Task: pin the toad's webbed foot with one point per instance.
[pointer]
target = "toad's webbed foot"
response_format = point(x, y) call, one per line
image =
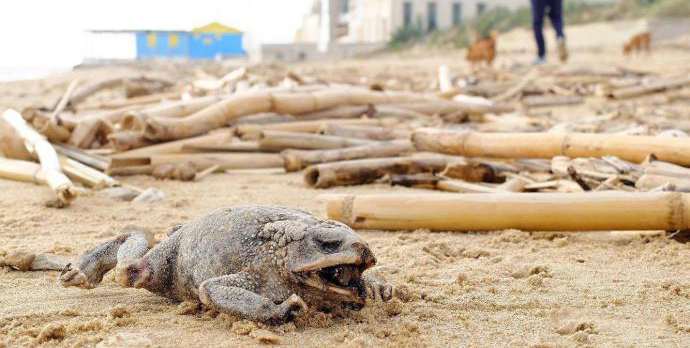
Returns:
point(235, 294)
point(377, 289)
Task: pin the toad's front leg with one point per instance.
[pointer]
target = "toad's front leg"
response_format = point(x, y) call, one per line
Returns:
point(235, 294)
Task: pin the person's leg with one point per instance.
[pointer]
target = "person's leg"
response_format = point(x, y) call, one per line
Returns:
point(556, 17)
point(538, 8)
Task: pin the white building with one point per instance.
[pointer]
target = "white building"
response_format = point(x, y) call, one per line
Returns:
point(371, 21)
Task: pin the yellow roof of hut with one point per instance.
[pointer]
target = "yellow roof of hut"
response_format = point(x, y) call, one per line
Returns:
point(216, 28)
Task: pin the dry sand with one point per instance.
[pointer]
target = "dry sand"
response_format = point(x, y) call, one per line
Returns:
point(505, 288)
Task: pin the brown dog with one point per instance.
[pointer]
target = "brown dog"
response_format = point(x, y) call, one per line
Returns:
point(483, 50)
point(638, 43)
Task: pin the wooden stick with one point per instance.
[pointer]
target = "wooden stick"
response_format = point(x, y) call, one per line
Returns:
point(136, 120)
point(364, 132)
point(517, 89)
point(89, 132)
point(589, 211)
point(299, 159)
point(365, 171)
point(656, 87)
point(278, 140)
point(62, 103)
point(206, 172)
point(548, 145)
point(47, 156)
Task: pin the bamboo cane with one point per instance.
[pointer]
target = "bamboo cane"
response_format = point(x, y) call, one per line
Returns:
point(548, 145)
point(140, 101)
point(76, 154)
point(221, 136)
point(223, 161)
point(364, 132)
point(264, 118)
point(526, 211)
point(237, 146)
point(128, 140)
point(278, 140)
point(243, 104)
point(253, 131)
point(136, 120)
point(47, 156)
point(299, 159)
point(85, 174)
point(131, 170)
point(87, 90)
point(551, 100)
point(20, 170)
point(651, 181)
point(656, 87)
point(341, 112)
point(365, 171)
point(89, 132)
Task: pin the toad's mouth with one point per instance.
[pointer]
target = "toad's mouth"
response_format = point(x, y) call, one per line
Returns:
point(344, 280)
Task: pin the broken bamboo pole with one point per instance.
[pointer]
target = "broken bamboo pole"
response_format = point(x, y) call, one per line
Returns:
point(20, 170)
point(548, 145)
point(296, 160)
point(278, 140)
point(366, 171)
point(50, 165)
point(592, 211)
point(242, 104)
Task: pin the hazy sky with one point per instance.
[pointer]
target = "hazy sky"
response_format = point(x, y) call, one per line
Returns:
point(49, 33)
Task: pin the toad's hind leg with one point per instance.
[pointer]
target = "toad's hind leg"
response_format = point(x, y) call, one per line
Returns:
point(96, 262)
point(234, 294)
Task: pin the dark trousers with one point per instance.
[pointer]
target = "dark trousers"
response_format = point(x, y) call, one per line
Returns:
point(555, 12)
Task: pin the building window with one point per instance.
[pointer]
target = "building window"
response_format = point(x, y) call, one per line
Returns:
point(344, 6)
point(151, 40)
point(481, 7)
point(457, 13)
point(173, 40)
point(431, 15)
point(407, 13)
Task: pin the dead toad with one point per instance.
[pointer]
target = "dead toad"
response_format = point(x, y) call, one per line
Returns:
point(261, 263)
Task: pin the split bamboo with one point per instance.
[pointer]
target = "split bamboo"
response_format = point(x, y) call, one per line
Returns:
point(548, 145)
point(365, 171)
point(299, 159)
point(47, 156)
point(592, 211)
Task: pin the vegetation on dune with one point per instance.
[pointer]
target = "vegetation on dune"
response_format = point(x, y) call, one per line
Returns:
point(502, 19)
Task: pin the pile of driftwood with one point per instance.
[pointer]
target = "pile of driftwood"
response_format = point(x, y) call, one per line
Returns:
point(484, 134)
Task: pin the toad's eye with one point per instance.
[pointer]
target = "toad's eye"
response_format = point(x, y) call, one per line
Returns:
point(328, 246)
